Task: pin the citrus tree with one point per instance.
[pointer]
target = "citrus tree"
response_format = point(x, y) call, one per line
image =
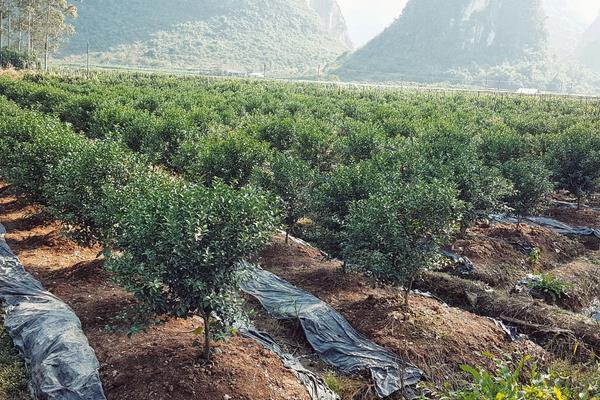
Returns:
point(399, 230)
point(75, 187)
point(574, 158)
point(291, 180)
point(178, 246)
point(531, 180)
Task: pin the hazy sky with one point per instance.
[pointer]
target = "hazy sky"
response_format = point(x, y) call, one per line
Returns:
point(367, 18)
point(588, 9)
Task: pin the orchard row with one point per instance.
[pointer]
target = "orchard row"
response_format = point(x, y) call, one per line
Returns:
point(181, 178)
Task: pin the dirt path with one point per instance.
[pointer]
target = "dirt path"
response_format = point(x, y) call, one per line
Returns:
point(161, 363)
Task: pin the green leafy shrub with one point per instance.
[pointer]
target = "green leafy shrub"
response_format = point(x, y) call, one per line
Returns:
point(398, 231)
point(332, 197)
point(130, 125)
point(79, 112)
point(550, 286)
point(16, 59)
point(279, 132)
point(75, 187)
point(230, 157)
point(499, 147)
point(574, 158)
point(314, 144)
point(532, 186)
point(178, 247)
point(34, 144)
point(448, 154)
point(162, 144)
point(290, 179)
point(359, 141)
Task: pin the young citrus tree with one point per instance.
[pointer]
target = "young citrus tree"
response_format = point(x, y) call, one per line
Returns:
point(291, 179)
point(332, 197)
point(178, 246)
point(398, 231)
point(230, 157)
point(452, 155)
point(574, 158)
point(531, 180)
point(75, 187)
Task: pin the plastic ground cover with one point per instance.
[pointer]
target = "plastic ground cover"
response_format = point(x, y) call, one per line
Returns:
point(48, 335)
point(329, 334)
point(550, 223)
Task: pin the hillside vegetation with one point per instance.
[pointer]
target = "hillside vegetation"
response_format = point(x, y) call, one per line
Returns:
point(590, 51)
point(432, 38)
point(289, 35)
point(565, 27)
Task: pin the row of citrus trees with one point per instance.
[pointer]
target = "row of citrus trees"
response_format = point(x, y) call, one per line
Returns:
point(175, 245)
point(386, 178)
point(180, 179)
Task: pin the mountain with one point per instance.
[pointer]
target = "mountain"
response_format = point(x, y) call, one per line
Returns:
point(209, 34)
point(565, 27)
point(590, 46)
point(432, 37)
point(332, 19)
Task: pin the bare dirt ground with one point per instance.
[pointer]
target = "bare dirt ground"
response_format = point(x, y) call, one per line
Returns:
point(502, 252)
point(161, 363)
point(583, 217)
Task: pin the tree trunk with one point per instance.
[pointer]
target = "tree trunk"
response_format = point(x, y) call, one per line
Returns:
point(1, 29)
point(8, 30)
point(287, 235)
point(29, 38)
point(206, 319)
point(47, 38)
point(20, 26)
point(407, 294)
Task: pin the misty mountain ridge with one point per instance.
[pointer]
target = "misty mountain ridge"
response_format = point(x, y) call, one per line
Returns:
point(565, 27)
point(589, 51)
point(433, 37)
point(210, 34)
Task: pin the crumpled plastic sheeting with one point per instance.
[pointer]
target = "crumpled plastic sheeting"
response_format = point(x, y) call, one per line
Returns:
point(550, 223)
point(48, 335)
point(463, 265)
point(511, 332)
point(572, 206)
point(315, 386)
point(330, 334)
point(593, 311)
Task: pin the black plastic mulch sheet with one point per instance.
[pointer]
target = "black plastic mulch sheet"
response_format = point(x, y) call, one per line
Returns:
point(329, 334)
point(48, 335)
point(550, 223)
point(315, 386)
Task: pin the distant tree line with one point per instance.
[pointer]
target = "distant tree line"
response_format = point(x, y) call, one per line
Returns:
point(33, 28)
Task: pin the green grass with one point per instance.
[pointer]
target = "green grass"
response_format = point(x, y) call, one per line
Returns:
point(13, 375)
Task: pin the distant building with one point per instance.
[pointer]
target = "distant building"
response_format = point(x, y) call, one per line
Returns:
point(527, 91)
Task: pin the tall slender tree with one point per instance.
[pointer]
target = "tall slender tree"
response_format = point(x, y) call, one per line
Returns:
point(37, 26)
